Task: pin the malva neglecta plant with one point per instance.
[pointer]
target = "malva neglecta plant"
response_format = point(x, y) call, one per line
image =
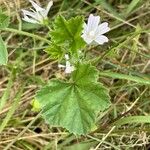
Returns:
point(72, 103)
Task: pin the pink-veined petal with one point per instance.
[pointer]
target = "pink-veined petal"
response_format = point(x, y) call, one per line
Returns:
point(103, 28)
point(93, 22)
point(101, 39)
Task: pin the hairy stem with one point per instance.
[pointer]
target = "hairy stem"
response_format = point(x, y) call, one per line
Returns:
point(26, 34)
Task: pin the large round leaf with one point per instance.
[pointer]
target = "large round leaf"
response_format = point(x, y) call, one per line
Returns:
point(74, 105)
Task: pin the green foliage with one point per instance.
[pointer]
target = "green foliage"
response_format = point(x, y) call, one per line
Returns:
point(4, 20)
point(28, 26)
point(85, 74)
point(131, 6)
point(55, 51)
point(74, 105)
point(11, 110)
point(6, 93)
point(81, 146)
point(3, 52)
point(105, 4)
point(35, 105)
point(68, 33)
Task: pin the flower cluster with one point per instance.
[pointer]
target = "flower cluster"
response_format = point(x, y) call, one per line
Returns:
point(92, 31)
point(38, 15)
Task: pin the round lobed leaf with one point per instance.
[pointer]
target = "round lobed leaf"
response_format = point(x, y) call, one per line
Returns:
point(74, 105)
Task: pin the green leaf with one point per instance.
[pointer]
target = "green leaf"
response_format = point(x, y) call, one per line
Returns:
point(4, 20)
point(68, 33)
point(3, 52)
point(35, 105)
point(26, 26)
point(85, 74)
point(132, 119)
point(55, 51)
point(74, 105)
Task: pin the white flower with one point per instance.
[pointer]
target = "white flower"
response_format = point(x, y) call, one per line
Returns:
point(38, 15)
point(93, 31)
point(68, 67)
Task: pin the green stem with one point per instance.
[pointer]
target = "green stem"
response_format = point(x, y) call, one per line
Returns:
point(11, 111)
point(26, 34)
point(6, 94)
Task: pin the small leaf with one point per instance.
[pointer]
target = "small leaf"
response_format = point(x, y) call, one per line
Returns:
point(85, 74)
point(74, 105)
point(4, 20)
point(3, 53)
point(35, 105)
point(55, 51)
point(26, 26)
point(68, 33)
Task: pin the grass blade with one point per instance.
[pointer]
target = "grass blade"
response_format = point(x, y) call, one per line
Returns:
point(126, 77)
point(132, 119)
point(131, 6)
point(108, 7)
point(3, 52)
point(6, 93)
point(12, 110)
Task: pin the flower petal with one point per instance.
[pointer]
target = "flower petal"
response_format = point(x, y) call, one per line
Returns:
point(36, 6)
point(49, 7)
point(101, 39)
point(87, 39)
point(29, 13)
point(69, 68)
point(93, 22)
point(84, 28)
point(40, 16)
point(103, 28)
point(61, 66)
point(27, 19)
point(66, 56)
